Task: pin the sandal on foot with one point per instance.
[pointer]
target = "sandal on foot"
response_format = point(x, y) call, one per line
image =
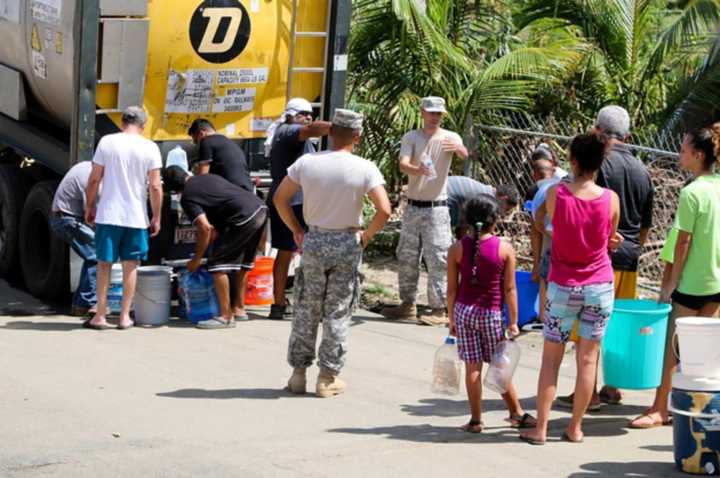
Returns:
point(522, 421)
point(473, 426)
point(566, 438)
point(89, 325)
point(531, 441)
point(610, 398)
point(645, 421)
point(126, 326)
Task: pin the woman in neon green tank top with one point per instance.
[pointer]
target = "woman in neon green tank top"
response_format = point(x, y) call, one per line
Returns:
point(694, 283)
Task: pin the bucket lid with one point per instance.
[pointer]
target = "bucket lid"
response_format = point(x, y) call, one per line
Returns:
point(695, 384)
point(696, 321)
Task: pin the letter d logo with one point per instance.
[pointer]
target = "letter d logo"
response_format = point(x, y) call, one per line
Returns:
point(219, 30)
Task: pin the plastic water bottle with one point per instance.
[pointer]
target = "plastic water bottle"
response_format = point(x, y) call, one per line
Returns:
point(177, 157)
point(447, 369)
point(502, 367)
point(427, 161)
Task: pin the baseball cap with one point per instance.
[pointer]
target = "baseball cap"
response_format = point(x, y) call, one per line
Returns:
point(347, 119)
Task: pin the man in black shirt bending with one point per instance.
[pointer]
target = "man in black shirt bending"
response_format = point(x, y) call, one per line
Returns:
point(219, 155)
point(230, 218)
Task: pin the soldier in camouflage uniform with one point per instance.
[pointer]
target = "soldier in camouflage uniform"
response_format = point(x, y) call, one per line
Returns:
point(334, 184)
point(425, 156)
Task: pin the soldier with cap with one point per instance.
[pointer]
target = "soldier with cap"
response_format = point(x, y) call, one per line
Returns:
point(334, 183)
point(425, 156)
point(287, 139)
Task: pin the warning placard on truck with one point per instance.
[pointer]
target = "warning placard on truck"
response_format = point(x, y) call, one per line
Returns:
point(189, 92)
point(235, 99)
point(48, 11)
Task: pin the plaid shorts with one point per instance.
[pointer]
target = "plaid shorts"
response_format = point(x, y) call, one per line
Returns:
point(479, 331)
point(589, 306)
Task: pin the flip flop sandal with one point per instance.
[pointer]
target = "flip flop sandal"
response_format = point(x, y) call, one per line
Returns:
point(473, 426)
point(242, 318)
point(524, 421)
point(566, 438)
point(88, 325)
point(646, 426)
point(531, 441)
point(125, 327)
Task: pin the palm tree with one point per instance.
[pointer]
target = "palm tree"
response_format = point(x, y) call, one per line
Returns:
point(638, 51)
point(464, 51)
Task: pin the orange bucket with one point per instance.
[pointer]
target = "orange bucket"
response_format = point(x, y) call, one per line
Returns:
point(260, 282)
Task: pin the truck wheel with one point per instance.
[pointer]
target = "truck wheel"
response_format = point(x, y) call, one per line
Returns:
point(44, 257)
point(13, 189)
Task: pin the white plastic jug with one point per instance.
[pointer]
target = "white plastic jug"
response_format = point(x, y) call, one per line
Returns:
point(502, 367)
point(177, 157)
point(447, 369)
point(698, 338)
point(115, 291)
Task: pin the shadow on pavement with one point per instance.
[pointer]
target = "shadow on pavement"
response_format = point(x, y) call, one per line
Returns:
point(638, 469)
point(443, 407)
point(431, 434)
point(628, 411)
point(659, 448)
point(592, 427)
point(43, 326)
point(231, 393)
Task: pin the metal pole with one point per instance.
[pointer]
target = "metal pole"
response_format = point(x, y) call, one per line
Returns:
point(82, 131)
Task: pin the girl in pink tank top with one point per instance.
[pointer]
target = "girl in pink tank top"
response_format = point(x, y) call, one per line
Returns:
point(481, 279)
point(580, 292)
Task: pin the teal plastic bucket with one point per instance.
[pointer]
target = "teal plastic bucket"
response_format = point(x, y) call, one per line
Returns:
point(634, 344)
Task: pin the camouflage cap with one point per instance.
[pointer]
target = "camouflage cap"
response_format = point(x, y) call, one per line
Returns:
point(433, 104)
point(347, 119)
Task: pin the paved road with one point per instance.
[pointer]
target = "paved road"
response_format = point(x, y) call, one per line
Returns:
point(176, 401)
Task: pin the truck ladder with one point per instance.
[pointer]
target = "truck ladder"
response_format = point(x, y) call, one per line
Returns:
point(295, 35)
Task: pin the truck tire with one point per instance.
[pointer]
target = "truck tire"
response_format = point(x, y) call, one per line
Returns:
point(44, 257)
point(13, 190)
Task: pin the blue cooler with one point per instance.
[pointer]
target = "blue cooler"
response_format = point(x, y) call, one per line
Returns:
point(695, 405)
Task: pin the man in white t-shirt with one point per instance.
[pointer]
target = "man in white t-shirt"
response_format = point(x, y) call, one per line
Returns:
point(425, 156)
point(125, 163)
point(334, 184)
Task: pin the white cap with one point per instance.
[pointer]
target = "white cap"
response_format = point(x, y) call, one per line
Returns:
point(298, 105)
point(613, 120)
point(433, 104)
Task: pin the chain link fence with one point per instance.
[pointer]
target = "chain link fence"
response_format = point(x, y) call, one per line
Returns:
point(503, 158)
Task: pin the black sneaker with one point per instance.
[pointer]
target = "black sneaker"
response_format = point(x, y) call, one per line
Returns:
point(277, 312)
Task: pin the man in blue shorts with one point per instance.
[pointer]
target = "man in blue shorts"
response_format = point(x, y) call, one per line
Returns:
point(125, 163)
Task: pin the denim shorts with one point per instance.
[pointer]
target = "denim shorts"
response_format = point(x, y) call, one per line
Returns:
point(118, 242)
point(590, 306)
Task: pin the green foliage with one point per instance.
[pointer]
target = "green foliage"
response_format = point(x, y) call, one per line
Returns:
point(560, 58)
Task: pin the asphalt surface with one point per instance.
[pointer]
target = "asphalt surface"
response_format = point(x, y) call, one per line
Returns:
point(176, 401)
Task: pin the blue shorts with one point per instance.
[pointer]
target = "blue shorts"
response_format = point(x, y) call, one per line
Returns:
point(590, 305)
point(125, 243)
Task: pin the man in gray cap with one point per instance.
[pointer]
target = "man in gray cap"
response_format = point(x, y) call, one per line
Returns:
point(623, 173)
point(125, 163)
point(425, 156)
point(334, 184)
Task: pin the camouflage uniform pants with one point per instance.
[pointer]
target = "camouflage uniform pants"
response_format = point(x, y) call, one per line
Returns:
point(425, 235)
point(326, 289)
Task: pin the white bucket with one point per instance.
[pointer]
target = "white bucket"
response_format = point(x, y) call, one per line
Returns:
point(152, 295)
point(115, 291)
point(699, 351)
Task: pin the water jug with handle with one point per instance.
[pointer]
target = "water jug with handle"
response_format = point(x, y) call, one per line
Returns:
point(502, 367)
point(177, 157)
point(698, 339)
point(447, 369)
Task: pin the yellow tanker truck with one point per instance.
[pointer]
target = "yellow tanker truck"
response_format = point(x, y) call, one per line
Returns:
point(69, 67)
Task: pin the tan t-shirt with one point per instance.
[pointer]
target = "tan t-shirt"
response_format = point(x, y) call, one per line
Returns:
point(334, 184)
point(414, 144)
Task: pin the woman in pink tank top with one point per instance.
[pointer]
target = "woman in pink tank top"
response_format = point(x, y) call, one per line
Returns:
point(580, 291)
point(481, 279)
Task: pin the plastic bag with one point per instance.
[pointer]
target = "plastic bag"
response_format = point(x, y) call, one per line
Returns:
point(503, 365)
